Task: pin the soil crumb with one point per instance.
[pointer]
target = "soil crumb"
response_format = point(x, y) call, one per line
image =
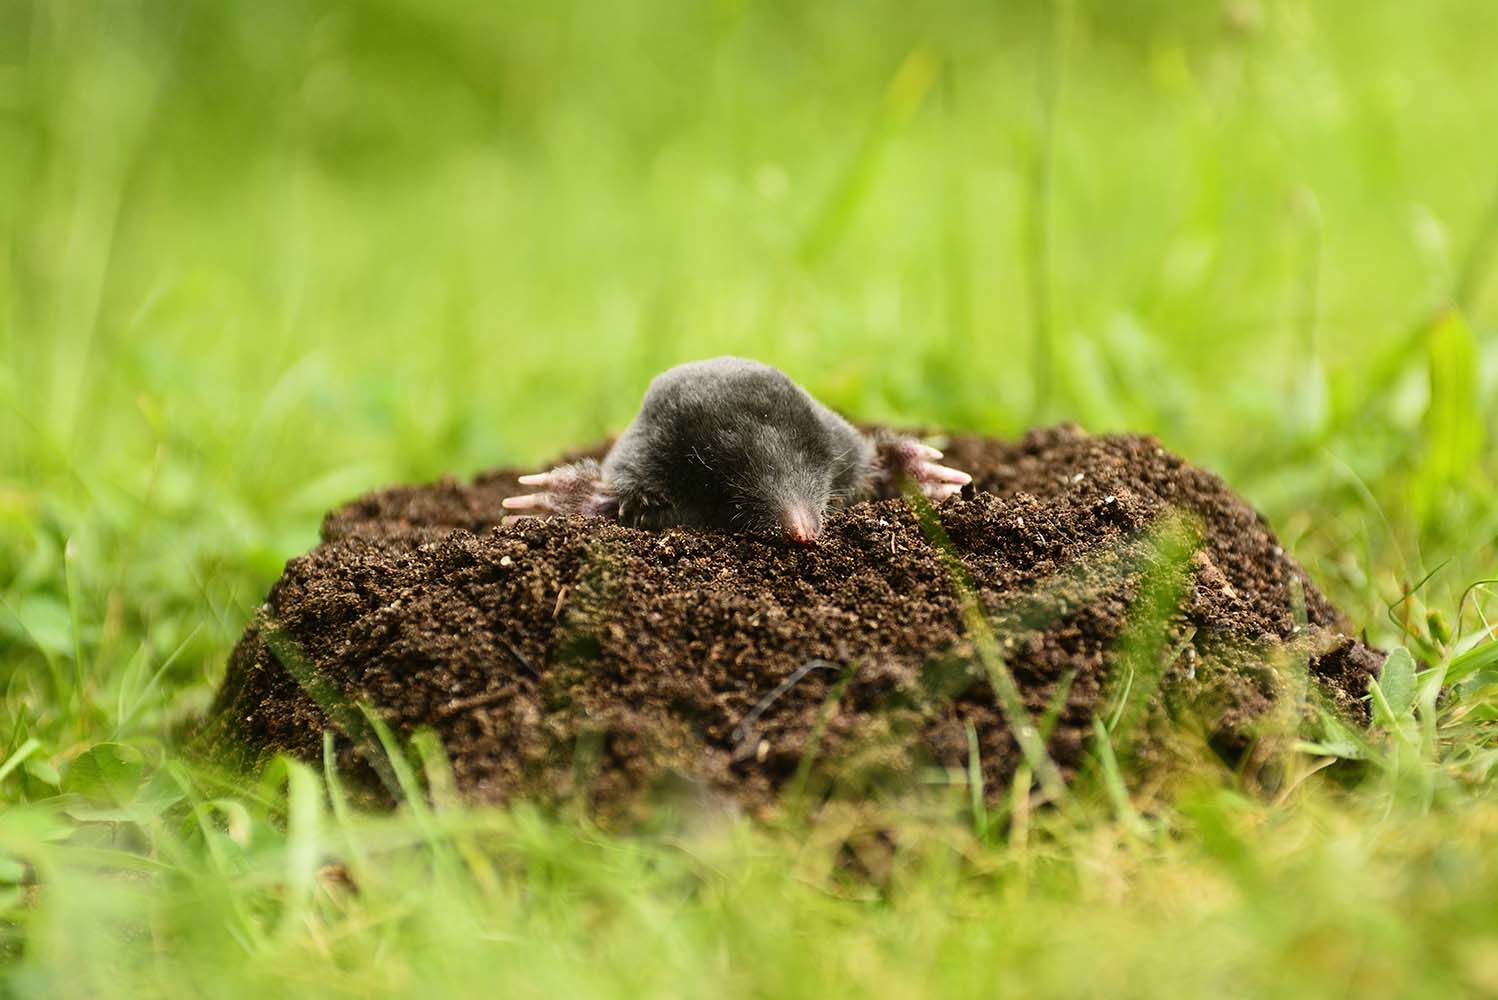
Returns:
point(571, 660)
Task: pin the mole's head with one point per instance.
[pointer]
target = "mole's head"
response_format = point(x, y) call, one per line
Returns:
point(762, 477)
point(788, 490)
point(734, 445)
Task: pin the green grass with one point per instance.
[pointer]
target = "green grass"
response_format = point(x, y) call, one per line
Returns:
point(260, 257)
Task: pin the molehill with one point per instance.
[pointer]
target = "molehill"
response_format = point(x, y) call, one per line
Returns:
point(574, 660)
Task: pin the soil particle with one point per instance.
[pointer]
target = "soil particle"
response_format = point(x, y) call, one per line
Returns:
point(575, 660)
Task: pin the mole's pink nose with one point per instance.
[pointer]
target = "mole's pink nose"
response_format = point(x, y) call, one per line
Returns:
point(801, 525)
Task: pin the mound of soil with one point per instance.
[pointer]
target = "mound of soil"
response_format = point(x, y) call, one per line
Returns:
point(572, 659)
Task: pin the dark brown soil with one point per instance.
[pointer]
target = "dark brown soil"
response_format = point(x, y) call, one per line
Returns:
point(576, 660)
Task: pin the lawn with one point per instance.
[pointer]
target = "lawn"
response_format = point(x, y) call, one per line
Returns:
point(259, 258)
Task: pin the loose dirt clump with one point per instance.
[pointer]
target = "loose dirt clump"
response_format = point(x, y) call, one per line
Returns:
point(574, 660)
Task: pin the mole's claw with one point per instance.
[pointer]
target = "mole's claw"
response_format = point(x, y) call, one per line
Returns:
point(937, 492)
point(575, 488)
point(529, 501)
point(904, 459)
point(931, 472)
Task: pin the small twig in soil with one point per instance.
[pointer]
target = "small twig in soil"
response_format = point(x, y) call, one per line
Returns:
point(479, 700)
point(520, 658)
point(743, 731)
point(488, 697)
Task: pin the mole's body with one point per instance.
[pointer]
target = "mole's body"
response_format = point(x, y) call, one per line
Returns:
point(731, 444)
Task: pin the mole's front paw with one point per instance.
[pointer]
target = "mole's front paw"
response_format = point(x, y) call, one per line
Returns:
point(576, 488)
point(906, 458)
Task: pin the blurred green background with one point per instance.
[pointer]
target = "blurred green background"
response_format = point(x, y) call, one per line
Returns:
point(260, 257)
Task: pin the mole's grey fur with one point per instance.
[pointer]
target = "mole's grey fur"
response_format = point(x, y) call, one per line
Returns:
point(731, 444)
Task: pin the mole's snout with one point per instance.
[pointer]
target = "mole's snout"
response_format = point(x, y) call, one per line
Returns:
point(801, 525)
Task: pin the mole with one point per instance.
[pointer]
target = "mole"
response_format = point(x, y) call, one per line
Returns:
point(730, 444)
